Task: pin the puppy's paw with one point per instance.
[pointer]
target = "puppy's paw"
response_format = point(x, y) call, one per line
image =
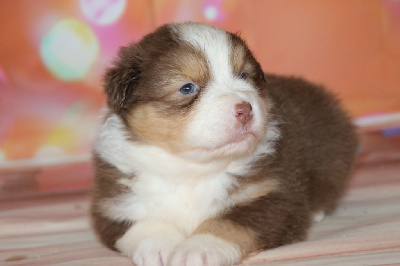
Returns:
point(150, 245)
point(205, 250)
point(319, 216)
point(154, 251)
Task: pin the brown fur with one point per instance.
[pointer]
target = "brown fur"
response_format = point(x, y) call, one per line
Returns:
point(156, 118)
point(250, 189)
point(312, 162)
point(243, 61)
point(156, 128)
point(106, 187)
point(308, 172)
point(319, 140)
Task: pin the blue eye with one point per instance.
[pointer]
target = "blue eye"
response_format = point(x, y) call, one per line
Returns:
point(188, 88)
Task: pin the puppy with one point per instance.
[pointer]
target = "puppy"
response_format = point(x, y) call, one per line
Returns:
point(203, 159)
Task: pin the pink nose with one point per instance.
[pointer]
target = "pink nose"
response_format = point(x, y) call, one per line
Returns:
point(243, 112)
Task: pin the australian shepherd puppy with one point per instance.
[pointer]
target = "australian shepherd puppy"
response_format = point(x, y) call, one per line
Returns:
point(203, 159)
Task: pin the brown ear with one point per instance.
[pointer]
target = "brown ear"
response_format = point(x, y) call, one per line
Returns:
point(121, 79)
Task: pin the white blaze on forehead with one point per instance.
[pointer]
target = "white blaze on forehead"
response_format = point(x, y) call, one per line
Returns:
point(213, 42)
point(213, 125)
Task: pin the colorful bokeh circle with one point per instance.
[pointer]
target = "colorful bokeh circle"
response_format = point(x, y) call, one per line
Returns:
point(103, 12)
point(213, 11)
point(69, 49)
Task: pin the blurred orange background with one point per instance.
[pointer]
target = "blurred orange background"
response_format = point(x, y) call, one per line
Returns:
point(53, 55)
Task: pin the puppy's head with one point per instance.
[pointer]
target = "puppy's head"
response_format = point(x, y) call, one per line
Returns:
point(194, 90)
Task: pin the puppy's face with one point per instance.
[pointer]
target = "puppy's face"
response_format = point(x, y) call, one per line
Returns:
point(191, 89)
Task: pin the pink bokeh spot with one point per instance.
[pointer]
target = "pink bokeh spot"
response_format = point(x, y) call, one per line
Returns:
point(5, 89)
point(3, 77)
point(212, 11)
point(393, 9)
point(103, 12)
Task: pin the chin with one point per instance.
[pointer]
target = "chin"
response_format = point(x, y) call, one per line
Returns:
point(237, 146)
point(203, 158)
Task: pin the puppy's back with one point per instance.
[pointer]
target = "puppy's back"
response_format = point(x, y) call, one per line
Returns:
point(318, 141)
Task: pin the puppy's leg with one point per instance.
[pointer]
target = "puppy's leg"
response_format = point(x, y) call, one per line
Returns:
point(215, 242)
point(265, 223)
point(150, 244)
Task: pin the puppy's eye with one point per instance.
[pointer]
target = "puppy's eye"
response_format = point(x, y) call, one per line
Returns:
point(243, 75)
point(188, 89)
point(261, 74)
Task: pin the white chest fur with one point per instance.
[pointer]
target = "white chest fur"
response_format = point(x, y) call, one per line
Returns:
point(168, 188)
point(183, 203)
point(164, 187)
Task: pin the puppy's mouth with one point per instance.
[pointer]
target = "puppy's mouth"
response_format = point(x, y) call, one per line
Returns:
point(246, 138)
point(236, 144)
point(241, 137)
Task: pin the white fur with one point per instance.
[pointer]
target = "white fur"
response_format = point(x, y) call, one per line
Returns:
point(150, 244)
point(168, 190)
point(167, 187)
point(319, 216)
point(112, 145)
point(172, 194)
point(185, 204)
point(253, 191)
point(242, 165)
point(214, 124)
point(205, 250)
point(212, 41)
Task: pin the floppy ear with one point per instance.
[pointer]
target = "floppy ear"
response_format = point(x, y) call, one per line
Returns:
point(121, 79)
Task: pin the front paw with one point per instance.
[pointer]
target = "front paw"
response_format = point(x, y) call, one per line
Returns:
point(154, 251)
point(150, 244)
point(205, 250)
